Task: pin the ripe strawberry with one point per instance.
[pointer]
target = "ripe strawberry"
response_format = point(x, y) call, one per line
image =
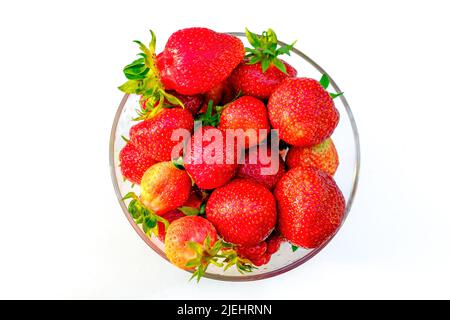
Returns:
point(262, 72)
point(243, 212)
point(322, 156)
point(133, 163)
point(153, 136)
point(191, 103)
point(273, 243)
point(303, 112)
point(252, 252)
point(262, 260)
point(170, 216)
point(209, 168)
point(183, 236)
point(251, 80)
point(164, 187)
point(144, 79)
point(248, 114)
point(195, 199)
point(310, 207)
point(215, 95)
point(195, 60)
point(255, 171)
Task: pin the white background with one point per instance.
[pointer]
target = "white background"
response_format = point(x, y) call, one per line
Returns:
point(62, 232)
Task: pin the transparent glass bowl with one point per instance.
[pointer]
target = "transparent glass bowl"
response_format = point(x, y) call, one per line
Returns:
point(345, 138)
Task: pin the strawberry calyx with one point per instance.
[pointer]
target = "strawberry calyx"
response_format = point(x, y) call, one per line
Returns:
point(144, 79)
point(208, 118)
point(325, 82)
point(144, 216)
point(265, 50)
point(220, 254)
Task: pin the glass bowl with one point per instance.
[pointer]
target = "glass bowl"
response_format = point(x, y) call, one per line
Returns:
point(345, 138)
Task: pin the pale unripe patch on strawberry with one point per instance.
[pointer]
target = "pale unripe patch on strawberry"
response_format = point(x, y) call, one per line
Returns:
point(181, 232)
point(164, 187)
point(323, 156)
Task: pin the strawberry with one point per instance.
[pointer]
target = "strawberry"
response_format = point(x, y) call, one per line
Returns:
point(164, 188)
point(273, 243)
point(251, 80)
point(133, 163)
point(262, 72)
point(262, 260)
point(206, 172)
point(322, 156)
point(255, 171)
point(186, 240)
point(170, 216)
point(310, 207)
point(303, 112)
point(253, 252)
point(243, 212)
point(144, 79)
point(249, 115)
point(215, 95)
point(153, 136)
point(190, 103)
point(195, 60)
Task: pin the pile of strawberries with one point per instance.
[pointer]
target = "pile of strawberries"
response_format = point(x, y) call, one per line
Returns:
point(229, 212)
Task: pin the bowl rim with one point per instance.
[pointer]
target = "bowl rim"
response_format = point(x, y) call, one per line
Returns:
point(292, 265)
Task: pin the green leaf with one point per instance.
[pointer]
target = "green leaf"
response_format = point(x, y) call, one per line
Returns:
point(325, 81)
point(252, 38)
point(150, 221)
point(335, 95)
point(254, 60)
point(130, 195)
point(196, 247)
point(265, 64)
point(286, 49)
point(280, 65)
point(173, 100)
point(189, 211)
point(131, 86)
point(193, 263)
point(202, 210)
point(294, 248)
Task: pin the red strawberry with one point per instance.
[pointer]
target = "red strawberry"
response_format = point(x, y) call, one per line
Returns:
point(164, 187)
point(322, 156)
point(303, 112)
point(221, 94)
point(133, 163)
point(195, 60)
point(180, 236)
point(191, 103)
point(207, 171)
point(195, 199)
point(310, 206)
point(243, 212)
point(248, 114)
point(252, 252)
point(153, 136)
point(215, 95)
point(170, 217)
point(261, 72)
point(251, 80)
point(255, 171)
point(262, 260)
point(144, 79)
point(273, 243)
